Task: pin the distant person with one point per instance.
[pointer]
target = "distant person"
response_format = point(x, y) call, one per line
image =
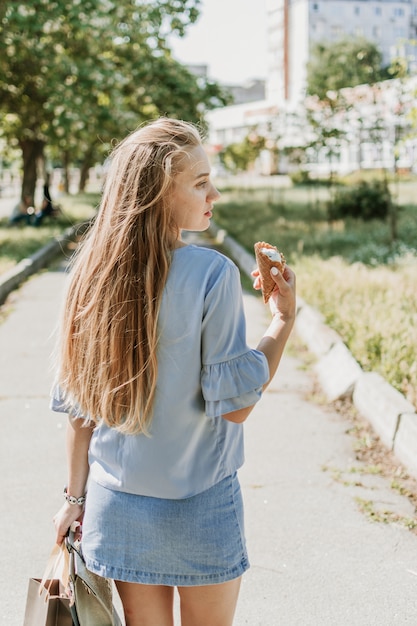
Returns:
point(22, 212)
point(156, 376)
point(47, 209)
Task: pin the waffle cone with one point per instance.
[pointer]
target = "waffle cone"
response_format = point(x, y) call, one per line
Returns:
point(264, 265)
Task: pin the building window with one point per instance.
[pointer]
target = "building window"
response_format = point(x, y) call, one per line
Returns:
point(398, 12)
point(315, 7)
point(357, 10)
point(378, 11)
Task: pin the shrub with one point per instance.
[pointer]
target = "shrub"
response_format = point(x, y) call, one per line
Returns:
point(367, 201)
point(300, 177)
point(304, 178)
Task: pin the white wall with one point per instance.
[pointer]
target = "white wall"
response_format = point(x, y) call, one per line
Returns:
point(386, 104)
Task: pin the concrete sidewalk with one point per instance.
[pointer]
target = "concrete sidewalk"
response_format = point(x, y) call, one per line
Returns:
point(316, 559)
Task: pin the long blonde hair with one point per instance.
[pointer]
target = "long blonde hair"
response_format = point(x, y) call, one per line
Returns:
point(109, 334)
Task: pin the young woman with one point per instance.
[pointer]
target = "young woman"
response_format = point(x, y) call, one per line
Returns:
point(157, 378)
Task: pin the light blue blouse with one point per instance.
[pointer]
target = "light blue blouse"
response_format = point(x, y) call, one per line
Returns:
point(205, 370)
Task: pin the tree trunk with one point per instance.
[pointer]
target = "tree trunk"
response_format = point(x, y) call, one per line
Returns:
point(392, 211)
point(32, 151)
point(66, 174)
point(393, 221)
point(84, 172)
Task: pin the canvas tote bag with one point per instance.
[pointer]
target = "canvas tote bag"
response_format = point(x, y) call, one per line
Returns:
point(91, 595)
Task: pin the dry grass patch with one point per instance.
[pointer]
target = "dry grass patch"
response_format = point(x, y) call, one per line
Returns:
point(373, 309)
point(363, 283)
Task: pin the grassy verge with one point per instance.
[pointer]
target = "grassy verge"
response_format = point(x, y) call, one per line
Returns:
point(362, 283)
point(19, 242)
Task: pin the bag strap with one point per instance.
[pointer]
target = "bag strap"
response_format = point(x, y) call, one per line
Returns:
point(70, 549)
point(56, 567)
point(70, 541)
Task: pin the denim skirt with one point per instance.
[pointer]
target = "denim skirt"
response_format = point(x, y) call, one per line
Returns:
point(195, 541)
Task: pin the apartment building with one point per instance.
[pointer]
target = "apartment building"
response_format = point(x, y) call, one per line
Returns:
point(295, 25)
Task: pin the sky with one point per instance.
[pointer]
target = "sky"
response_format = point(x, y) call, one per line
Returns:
point(229, 37)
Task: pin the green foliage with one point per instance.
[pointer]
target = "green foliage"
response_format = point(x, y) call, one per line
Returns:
point(237, 157)
point(344, 63)
point(326, 120)
point(17, 243)
point(367, 200)
point(76, 75)
point(297, 220)
point(301, 177)
point(349, 270)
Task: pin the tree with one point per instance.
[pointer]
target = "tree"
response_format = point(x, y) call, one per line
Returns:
point(326, 119)
point(237, 157)
point(344, 63)
point(75, 75)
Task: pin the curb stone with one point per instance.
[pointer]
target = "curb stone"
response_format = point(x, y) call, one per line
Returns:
point(26, 267)
point(381, 405)
point(311, 328)
point(393, 418)
point(242, 257)
point(391, 415)
point(405, 443)
point(338, 372)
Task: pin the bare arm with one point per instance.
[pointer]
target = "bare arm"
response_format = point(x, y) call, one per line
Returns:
point(283, 307)
point(78, 442)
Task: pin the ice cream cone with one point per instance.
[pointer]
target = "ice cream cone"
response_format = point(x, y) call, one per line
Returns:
point(264, 265)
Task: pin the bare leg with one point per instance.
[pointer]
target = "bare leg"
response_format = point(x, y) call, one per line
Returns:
point(209, 605)
point(146, 605)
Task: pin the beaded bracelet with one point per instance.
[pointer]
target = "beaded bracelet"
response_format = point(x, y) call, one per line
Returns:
point(72, 499)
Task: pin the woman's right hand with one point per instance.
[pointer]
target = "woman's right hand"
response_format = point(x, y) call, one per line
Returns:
point(283, 299)
point(63, 519)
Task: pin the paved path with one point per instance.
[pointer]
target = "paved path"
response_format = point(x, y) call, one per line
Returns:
point(316, 560)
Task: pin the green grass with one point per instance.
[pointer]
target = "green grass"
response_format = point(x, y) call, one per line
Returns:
point(19, 242)
point(296, 219)
point(364, 284)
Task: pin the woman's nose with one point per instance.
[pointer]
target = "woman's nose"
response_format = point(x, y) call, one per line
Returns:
point(215, 193)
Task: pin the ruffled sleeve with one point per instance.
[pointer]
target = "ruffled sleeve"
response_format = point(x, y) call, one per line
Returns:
point(60, 404)
point(232, 374)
